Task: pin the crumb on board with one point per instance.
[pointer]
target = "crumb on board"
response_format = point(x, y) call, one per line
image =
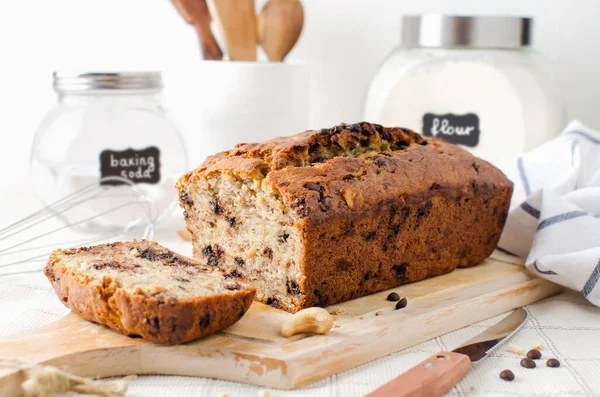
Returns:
point(335, 312)
point(223, 395)
point(472, 387)
point(516, 349)
point(264, 393)
point(539, 347)
point(185, 235)
point(361, 318)
point(379, 312)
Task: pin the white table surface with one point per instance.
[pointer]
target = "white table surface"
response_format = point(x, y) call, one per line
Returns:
point(566, 325)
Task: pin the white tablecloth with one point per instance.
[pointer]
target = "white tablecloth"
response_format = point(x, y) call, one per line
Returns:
point(566, 325)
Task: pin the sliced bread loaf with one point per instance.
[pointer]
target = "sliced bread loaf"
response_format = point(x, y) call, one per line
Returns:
point(141, 288)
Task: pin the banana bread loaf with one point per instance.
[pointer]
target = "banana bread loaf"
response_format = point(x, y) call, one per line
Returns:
point(141, 288)
point(326, 216)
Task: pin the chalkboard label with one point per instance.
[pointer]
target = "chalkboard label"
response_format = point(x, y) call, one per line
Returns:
point(139, 166)
point(458, 129)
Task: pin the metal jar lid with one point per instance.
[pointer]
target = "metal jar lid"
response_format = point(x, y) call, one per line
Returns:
point(80, 82)
point(438, 30)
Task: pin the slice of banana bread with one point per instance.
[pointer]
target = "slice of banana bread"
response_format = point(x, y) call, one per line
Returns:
point(141, 288)
point(330, 215)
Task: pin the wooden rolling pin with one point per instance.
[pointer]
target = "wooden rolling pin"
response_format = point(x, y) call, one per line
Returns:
point(237, 21)
point(195, 12)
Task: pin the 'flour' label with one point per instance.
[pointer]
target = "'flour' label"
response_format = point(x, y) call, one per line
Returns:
point(458, 129)
point(139, 166)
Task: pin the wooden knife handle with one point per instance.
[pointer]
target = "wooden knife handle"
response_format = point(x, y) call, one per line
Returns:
point(430, 378)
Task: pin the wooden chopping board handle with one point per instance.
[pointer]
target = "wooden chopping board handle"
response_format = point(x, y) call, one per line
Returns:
point(432, 377)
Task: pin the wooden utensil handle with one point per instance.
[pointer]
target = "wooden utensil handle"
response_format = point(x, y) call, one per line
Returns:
point(431, 378)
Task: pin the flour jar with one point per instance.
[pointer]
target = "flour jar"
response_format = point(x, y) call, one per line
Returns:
point(472, 80)
point(108, 129)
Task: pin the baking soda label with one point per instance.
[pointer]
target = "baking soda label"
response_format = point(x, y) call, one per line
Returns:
point(454, 128)
point(139, 166)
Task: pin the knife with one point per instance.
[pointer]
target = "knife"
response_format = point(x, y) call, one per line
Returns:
point(440, 372)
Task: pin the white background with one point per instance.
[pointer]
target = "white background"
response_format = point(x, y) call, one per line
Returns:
point(343, 42)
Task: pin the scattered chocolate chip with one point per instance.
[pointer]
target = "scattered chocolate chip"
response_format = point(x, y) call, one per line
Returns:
point(318, 160)
point(393, 211)
point(233, 274)
point(182, 280)
point(207, 250)
point(282, 238)
point(298, 203)
point(232, 221)
point(475, 186)
point(324, 204)
point(424, 210)
point(242, 312)
point(148, 254)
point(368, 275)
point(212, 260)
point(400, 145)
point(167, 255)
point(239, 261)
point(401, 304)
point(393, 297)
point(292, 288)
point(379, 161)
point(205, 320)
point(394, 229)
point(233, 287)
point(476, 167)
point(424, 143)
point(527, 363)
point(507, 375)
point(553, 363)
point(314, 186)
point(434, 186)
point(268, 252)
point(385, 135)
point(101, 266)
point(215, 206)
point(322, 299)
point(399, 270)
point(324, 131)
point(348, 177)
point(534, 354)
point(354, 128)
point(370, 236)
point(185, 214)
point(153, 325)
point(184, 198)
point(405, 213)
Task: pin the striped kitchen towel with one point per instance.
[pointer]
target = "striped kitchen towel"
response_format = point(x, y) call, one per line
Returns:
point(554, 219)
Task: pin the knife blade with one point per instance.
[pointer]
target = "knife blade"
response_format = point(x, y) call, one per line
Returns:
point(442, 371)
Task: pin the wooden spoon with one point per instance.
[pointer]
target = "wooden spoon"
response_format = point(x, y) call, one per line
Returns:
point(237, 21)
point(279, 26)
point(195, 12)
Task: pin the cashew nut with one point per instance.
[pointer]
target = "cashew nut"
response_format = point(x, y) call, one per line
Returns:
point(314, 320)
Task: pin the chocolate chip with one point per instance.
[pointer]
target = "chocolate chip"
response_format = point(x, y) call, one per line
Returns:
point(534, 354)
point(292, 288)
point(424, 210)
point(527, 363)
point(268, 252)
point(393, 297)
point(394, 232)
point(354, 128)
point(182, 280)
point(233, 274)
point(322, 298)
point(401, 304)
point(212, 260)
point(385, 135)
point(318, 160)
point(167, 255)
point(553, 363)
point(348, 177)
point(207, 250)
point(476, 167)
point(507, 375)
point(400, 145)
point(282, 238)
point(205, 320)
point(239, 261)
point(148, 254)
point(434, 186)
point(185, 214)
point(232, 221)
point(337, 129)
point(405, 214)
point(215, 206)
point(233, 287)
point(424, 143)
point(503, 217)
point(297, 203)
point(101, 266)
point(379, 161)
point(184, 198)
point(367, 276)
point(153, 325)
point(302, 213)
point(324, 131)
point(324, 204)
point(475, 186)
point(314, 186)
point(399, 270)
point(370, 236)
point(242, 312)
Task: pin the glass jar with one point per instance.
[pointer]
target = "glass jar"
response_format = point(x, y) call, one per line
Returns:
point(107, 129)
point(470, 80)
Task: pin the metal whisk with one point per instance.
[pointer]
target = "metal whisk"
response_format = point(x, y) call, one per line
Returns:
point(114, 209)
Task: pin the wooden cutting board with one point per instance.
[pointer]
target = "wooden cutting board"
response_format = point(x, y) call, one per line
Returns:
point(252, 351)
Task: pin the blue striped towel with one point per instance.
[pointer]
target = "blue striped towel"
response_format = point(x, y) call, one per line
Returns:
point(554, 220)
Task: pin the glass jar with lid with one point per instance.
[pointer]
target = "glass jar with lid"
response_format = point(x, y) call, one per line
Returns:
point(473, 81)
point(109, 129)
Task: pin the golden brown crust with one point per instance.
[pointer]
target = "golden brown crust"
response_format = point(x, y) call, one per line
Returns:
point(158, 317)
point(379, 207)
